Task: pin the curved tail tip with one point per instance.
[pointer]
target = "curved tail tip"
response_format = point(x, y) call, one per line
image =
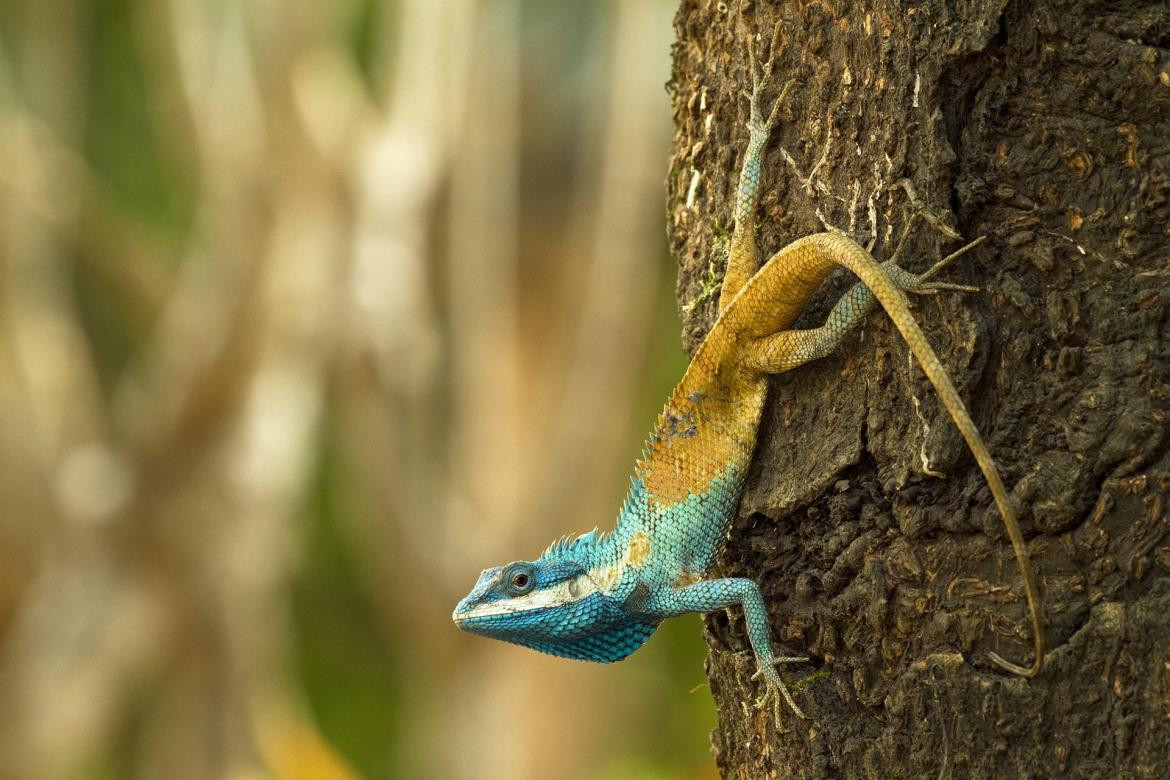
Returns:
point(1022, 671)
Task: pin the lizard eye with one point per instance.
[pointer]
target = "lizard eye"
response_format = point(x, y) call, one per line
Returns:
point(520, 581)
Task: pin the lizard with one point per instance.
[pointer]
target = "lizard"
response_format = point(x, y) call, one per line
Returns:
point(600, 596)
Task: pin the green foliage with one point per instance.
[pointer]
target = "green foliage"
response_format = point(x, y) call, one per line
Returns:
point(350, 674)
point(712, 277)
point(132, 122)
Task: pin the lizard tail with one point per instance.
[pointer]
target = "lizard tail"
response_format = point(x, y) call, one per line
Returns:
point(806, 263)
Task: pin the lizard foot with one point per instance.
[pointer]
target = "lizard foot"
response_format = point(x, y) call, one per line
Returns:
point(922, 283)
point(758, 126)
point(777, 690)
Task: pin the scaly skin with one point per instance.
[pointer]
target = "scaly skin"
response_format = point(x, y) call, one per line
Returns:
point(600, 596)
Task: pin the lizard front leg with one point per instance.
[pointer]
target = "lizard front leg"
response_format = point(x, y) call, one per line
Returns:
point(710, 595)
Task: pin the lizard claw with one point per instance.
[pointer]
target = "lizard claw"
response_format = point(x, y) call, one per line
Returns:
point(776, 689)
point(919, 287)
point(761, 78)
point(921, 283)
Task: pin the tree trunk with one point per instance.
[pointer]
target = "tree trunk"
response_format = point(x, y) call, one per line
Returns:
point(1043, 126)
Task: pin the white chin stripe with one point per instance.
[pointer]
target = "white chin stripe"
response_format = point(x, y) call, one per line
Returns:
point(562, 593)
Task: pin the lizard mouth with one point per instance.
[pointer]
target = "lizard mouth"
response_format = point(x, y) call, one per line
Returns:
point(559, 595)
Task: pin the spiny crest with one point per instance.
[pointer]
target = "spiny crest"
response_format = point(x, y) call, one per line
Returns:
point(633, 509)
point(575, 547)
point(569, 546)
point(635, 499)
point(641, 464)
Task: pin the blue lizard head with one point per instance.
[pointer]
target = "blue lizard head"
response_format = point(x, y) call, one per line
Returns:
point(555, 605)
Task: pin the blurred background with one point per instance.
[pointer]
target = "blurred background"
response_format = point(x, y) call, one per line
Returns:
point(308, 313)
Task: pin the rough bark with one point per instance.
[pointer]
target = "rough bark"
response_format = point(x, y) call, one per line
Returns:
point(1046, 127)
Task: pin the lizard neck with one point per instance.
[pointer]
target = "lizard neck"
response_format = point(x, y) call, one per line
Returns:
point(656, 544)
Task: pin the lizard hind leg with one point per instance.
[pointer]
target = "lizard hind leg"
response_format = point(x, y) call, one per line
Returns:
point(788, 349)
point(743, 255)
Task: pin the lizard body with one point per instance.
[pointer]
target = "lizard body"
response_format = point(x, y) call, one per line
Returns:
point(600, 596)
